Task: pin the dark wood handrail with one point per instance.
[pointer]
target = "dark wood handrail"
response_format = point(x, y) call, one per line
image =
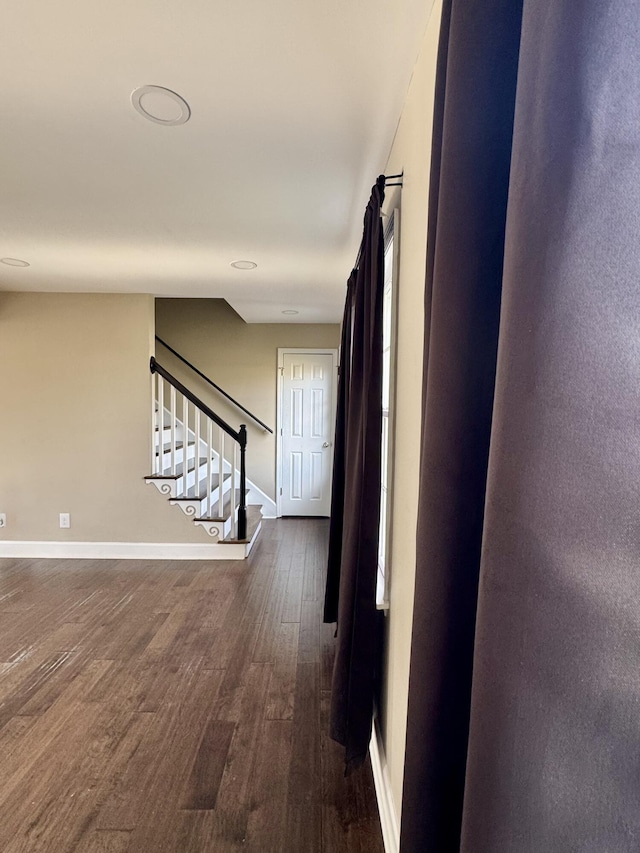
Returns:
point(213, 385)
point(156, 367)
point(240, 436)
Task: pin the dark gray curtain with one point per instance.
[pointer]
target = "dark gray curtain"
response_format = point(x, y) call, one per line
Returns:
point(554, 753)
point(353, 544)
point(336, 524)
point(469, 189)
point(524, 707)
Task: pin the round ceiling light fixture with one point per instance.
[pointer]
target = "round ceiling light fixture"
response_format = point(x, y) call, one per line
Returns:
point(244, 265)
point(161, 105)
point(290, 311)
point(14, 262)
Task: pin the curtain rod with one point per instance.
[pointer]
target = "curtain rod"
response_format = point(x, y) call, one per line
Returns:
point(388, 177)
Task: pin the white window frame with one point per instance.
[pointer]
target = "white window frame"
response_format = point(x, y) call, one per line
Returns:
point(391, 234)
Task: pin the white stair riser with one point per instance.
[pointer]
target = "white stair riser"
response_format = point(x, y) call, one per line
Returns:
point(166, 456)
point(219, 529)
point(166, 460)
point(199, 508)
point(175, 487)
point(166, 435)
point(191, 479)
point(202, 475)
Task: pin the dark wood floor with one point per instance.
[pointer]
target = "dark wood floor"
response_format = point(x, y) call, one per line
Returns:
point(149, 707)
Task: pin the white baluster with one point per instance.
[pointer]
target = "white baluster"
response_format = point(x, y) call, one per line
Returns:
point(233, 488)
point(173, 429)
point(192, 426)
point(155, 459)
point(220, 472)
point(160, 424)
point(209, 463)
point(196, 457)
point(185, 433)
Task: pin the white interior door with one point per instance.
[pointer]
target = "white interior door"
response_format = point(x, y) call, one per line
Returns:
point(307, 424)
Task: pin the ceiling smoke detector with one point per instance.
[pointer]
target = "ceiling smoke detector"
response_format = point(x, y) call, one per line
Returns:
point(244, 265)
point(161, 105)
point(14, 262)
point(290, 311)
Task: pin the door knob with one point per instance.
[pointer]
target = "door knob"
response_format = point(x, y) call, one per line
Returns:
point(326, 444)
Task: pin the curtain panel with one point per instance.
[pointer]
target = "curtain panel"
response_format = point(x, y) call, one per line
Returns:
point(355, 516)
point(473, 127)
point(524, 704)
point(336, 523)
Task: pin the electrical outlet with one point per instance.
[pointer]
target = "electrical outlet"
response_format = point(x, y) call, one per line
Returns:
point(65, 519)
point(3, 519)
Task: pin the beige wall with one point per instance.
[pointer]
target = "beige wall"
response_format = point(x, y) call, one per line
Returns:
point(75, 423)
point(242, 359)
point(411, 153)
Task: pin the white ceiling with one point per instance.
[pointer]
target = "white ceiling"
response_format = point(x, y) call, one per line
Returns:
point(294, 104)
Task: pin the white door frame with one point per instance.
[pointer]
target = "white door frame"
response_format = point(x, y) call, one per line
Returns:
point(282, 351)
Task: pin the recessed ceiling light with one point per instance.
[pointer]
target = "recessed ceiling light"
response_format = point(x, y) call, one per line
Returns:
point(290, 311)
point(244, 265)
point(160, 105)
point(14, 262)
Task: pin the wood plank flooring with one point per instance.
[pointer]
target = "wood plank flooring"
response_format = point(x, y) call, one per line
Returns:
point(151, 706)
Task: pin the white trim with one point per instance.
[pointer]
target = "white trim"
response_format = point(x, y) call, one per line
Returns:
point(125, 550)
point(392, 232)
point(249, 545)
point(257, 496)
point(282, 351)
point(386, 807)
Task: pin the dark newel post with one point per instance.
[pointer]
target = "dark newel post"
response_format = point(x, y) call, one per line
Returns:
point(242, 509)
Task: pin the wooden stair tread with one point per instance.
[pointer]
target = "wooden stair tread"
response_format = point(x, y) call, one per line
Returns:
point(167, 475)
point(202, 489)
point(162, 476)
point(254, 517)
point(226, 508)
point(166, 448)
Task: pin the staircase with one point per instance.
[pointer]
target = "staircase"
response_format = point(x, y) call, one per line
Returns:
point(198, 463)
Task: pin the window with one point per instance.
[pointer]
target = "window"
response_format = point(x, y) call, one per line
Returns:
point(388, 383)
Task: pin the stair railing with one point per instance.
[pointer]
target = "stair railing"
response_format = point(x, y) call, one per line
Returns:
point(214, 385)
point(193, 409)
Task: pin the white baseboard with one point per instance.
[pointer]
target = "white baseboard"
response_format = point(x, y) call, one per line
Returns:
point(386, 807)
point(124, 550)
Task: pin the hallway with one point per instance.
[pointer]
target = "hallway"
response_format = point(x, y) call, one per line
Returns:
point(175, 707)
